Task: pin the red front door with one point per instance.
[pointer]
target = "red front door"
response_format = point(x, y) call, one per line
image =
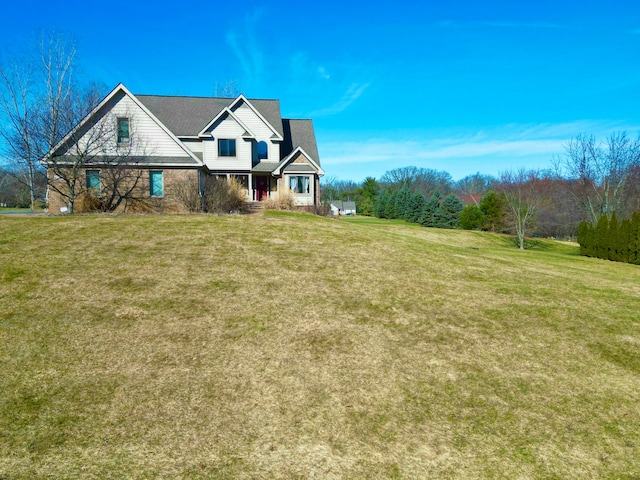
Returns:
point(262, 188)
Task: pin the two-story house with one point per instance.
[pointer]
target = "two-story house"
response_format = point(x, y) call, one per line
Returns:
point(176, 138)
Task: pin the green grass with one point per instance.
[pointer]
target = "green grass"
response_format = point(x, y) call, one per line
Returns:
point(293, 346)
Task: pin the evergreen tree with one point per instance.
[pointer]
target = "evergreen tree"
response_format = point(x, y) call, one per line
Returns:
point(401, 208)
point(367, 196)
point(381, 205)
point(390, 207)
point(494, 208)
point(451, 208)
point(416, 205)
point(612, 239)
point(602, 237)
point(471, 217)
point(430, 211)
point(583, 230)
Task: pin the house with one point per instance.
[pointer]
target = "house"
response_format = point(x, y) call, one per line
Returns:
point(338, 207)
point(176, 139)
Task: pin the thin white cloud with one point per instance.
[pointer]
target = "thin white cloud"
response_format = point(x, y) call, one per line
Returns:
point(353, 93)
point(246, 48)
point(323, 73)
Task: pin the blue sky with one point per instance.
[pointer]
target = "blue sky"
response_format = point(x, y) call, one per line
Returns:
point(461, 86)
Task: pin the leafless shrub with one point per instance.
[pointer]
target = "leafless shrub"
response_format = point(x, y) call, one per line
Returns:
point(284, 201)
point(223, 196)
point(187, 193)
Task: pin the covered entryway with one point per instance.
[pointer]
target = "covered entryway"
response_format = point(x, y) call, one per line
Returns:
point(261, 188)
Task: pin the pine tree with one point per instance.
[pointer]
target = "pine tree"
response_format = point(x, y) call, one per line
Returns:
point(583, 231)
point(416, 204)
point(452, 206)
point(390, 207)
point(430, 211)
point(401, 208)
point(471, 217)
point(381, 205)
point(494, 208)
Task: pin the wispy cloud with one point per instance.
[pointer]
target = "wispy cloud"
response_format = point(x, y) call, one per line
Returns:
point(246, 48)
point(353, 92)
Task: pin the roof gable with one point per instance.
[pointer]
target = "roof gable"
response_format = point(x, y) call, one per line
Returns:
point(121, 91)
point(187, 116)
point(241, 100)
point(289, 159)
point(225, 113)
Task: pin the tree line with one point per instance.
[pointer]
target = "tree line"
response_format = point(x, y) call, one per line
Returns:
point(592, 179)
point(610, 239)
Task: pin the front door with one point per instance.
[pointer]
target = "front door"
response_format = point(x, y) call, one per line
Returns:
point(262, 188)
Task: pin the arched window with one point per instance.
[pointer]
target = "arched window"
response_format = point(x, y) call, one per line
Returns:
point(263, 151)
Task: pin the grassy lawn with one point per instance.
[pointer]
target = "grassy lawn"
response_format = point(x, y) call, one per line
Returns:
point(292, 346)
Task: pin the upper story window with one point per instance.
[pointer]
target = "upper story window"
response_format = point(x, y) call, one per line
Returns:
point(226, 147)
point(123, 130)
point(263, 151)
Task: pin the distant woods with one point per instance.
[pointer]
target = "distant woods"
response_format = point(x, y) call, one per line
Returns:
point(593, 179)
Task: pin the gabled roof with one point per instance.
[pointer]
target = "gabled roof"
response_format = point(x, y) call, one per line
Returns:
point(343, 205)
point(187, 116)
point(285, 162)
point(226, 111)
point(121, 89)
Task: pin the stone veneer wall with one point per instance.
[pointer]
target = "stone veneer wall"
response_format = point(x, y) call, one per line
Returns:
point(173, 179)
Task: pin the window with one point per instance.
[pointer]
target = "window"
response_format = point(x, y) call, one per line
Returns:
point(243, 180)
point(299, 184)
point(226, 147)
point(263, 150)
point(123, 130)
point(93, 181)
point(156, 183)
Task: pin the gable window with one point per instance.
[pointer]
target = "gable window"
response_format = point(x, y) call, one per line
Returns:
point(156, 183)
point(93, 182)
point(263, 150)
point(299, 184)
point(123, 130)
point(227, 147)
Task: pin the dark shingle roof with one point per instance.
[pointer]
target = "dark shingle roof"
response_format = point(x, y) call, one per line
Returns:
point(187, 116)
point(299, 133)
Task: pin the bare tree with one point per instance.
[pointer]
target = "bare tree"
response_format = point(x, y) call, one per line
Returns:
point(100, 143)
point(228, 89)
point(601, 171)
point(523, 195)
point(421, 180)
point(34, 91)
point(475, 184)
